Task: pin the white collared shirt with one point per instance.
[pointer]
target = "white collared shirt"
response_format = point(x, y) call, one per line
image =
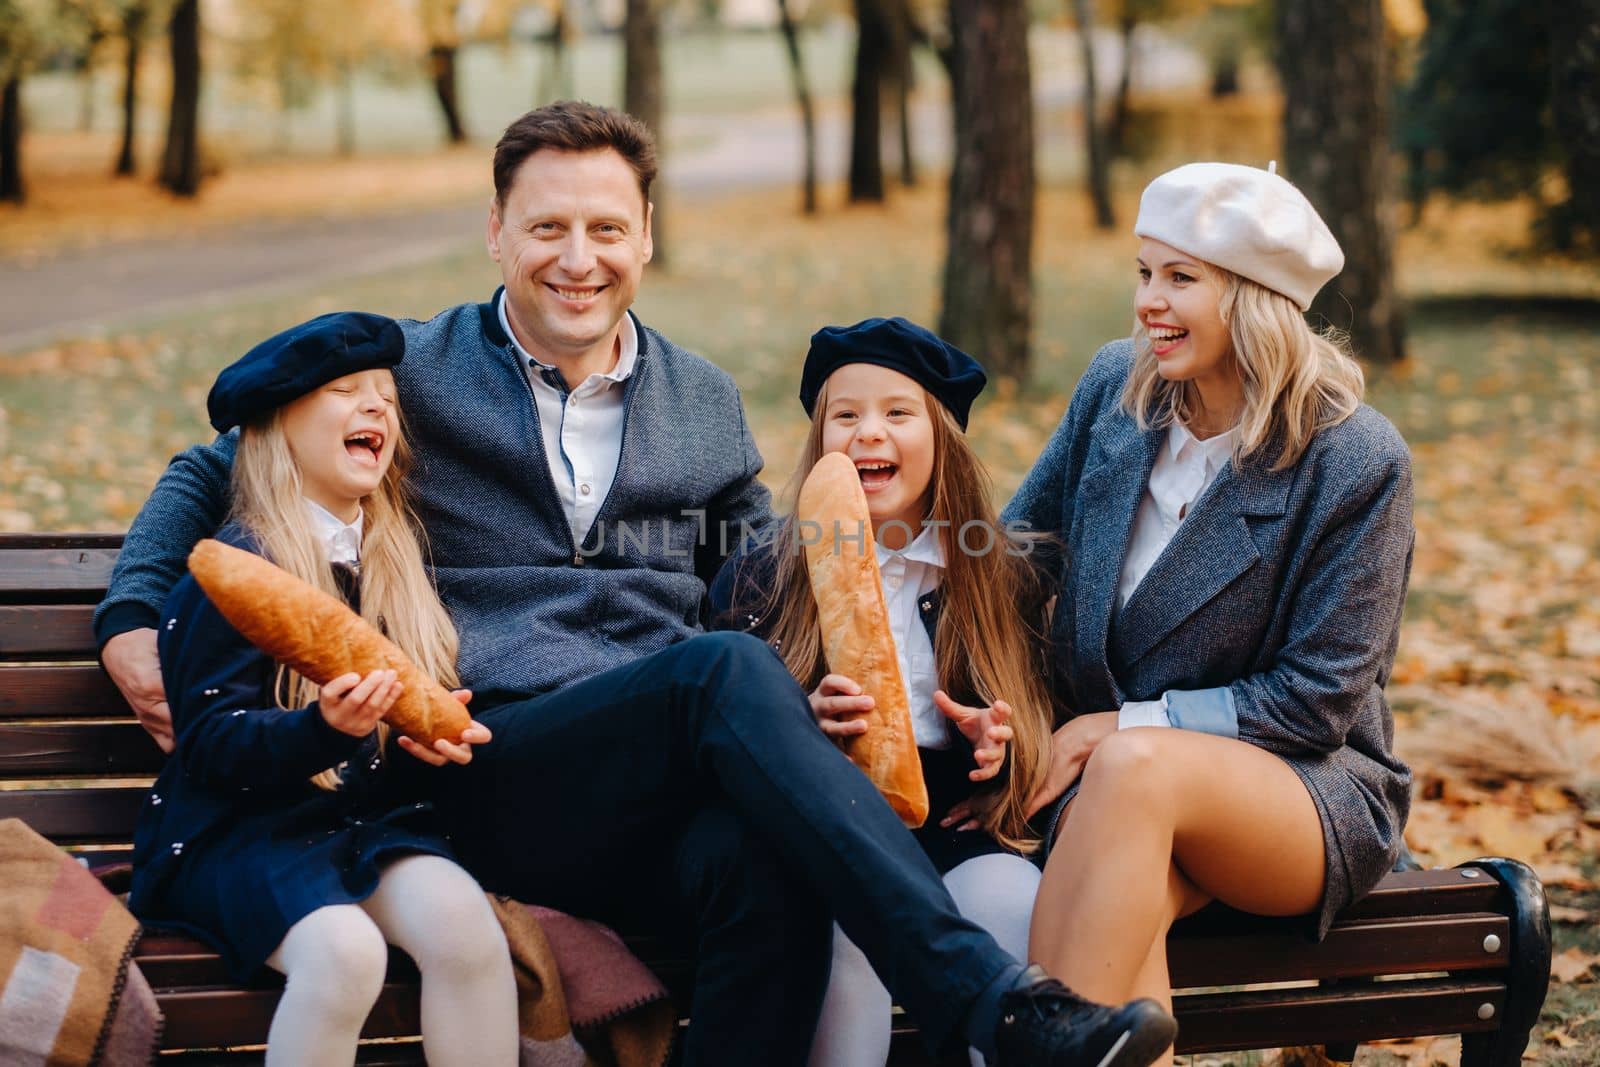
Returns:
point(341, 539)
point(909, 576)
point(582, 429)
point(1183, 470)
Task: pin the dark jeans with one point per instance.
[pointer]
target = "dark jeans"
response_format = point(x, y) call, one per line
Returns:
point(693, 783)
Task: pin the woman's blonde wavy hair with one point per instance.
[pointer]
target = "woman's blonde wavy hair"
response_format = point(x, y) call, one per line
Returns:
point(987, 646)
point(1296, 381)
point(397, 595)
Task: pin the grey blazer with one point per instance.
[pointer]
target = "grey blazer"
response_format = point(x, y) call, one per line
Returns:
point(1272, 616)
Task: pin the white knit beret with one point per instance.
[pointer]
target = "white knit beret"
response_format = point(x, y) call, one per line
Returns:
point(1246, 220)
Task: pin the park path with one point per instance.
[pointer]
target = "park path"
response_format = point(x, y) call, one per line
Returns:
point(120, 283)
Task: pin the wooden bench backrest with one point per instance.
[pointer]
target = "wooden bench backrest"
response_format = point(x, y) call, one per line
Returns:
point(63, 725)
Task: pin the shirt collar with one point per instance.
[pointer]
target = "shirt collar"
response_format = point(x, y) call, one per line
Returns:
point(1215, 449)
point(627, 356)
point(927, 547)
point(341, 539)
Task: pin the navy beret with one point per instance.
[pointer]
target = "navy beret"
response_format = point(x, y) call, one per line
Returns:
point(296, 361)
point(950, 375)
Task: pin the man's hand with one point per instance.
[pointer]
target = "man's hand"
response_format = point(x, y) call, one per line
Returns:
point(131, 660)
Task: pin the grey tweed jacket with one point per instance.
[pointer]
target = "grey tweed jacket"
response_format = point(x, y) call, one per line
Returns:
point(534, 610)
point(1272, 616)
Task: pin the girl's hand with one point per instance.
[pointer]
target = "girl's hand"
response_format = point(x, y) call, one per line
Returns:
point(985, 729)
point(1070, 749)
point(837, 696)
point(444, 751)
point(353, 705)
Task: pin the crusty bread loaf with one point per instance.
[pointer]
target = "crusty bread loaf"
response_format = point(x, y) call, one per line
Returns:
point(316, 634)
point(856, 639)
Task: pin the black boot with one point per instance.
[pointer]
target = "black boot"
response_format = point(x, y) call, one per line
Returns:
point(1045, 1024)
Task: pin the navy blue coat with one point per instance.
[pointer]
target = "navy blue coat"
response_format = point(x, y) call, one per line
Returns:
point(1271, 617)
point(234, 843)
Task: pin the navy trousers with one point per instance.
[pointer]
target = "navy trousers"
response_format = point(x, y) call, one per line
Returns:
point(692, 789)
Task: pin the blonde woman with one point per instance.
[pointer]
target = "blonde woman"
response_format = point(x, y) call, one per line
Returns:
point(966, 611)
point(1237, 534)
point(280, 831)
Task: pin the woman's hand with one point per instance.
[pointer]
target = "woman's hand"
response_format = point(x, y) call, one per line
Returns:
point(837, 696)
point(353, 705)
point(1070, 749)
point(985, 729)
point(444, 751)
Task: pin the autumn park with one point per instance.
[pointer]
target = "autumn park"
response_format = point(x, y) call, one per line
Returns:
point(181, 179)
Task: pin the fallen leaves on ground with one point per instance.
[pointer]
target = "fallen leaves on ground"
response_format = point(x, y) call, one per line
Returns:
point(1573, 965)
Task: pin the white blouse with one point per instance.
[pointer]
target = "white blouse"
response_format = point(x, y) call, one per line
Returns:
point(1183, 471)
point(341, 539)
point(910, 575)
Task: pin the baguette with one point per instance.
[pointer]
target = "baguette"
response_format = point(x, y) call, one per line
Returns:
point(856, 639)
point(317, 635)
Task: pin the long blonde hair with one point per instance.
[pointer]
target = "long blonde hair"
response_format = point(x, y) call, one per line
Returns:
point(987, 645)
point(1296, 381)
point(397, 595)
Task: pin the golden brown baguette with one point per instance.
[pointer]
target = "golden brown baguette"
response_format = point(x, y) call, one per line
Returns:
point(316, 634)
point(856, 639)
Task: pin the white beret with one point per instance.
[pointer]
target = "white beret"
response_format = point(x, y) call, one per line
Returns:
point(1246, 220)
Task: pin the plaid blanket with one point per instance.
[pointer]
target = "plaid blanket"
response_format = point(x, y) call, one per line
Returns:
point(583, 1000)
point(68, 993)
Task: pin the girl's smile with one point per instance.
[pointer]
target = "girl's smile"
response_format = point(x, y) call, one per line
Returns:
point(880, 419)
point(343, 437)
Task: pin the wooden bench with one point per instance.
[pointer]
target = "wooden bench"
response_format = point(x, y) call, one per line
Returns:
point(1430, 952)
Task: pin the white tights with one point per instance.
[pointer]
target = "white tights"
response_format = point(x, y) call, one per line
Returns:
point(334, 962)
point(994, 891)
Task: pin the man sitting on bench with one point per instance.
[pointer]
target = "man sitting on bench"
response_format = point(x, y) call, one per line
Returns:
point(577, 475)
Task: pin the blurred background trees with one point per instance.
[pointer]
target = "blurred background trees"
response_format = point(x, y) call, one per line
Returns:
point(1367, 104)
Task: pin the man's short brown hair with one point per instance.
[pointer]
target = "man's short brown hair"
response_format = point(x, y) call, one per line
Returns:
point(574, 126)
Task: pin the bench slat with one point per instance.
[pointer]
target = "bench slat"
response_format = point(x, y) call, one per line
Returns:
point(66, 750)
point(1442, 892)
point(211, 1017)
point(53, 573)
point(1213, 1022)
point(47, 631)
point(1361, 948)
point(59, 693)
point(73, 816)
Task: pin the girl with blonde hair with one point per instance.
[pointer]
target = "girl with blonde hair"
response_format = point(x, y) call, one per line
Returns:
point(966, 613)
point(1237, 536)
point(282, 830)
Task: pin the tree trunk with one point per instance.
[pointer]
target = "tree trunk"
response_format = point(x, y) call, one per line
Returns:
point(903, 77)
point(1336, 147)
point(86, 80)
point(866, 102)
point(555, 82)
point(988, 282)
point(347, 108)
point(1094, 142)
point(133, 20)
point(11, 190)
point(1117, 134)
point(641, 91)
point(1575, 73)
point(442, 66)
point(808, 117)
point(180, 163)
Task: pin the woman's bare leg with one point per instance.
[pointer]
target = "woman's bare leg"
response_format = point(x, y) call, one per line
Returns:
point(1160, 812)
